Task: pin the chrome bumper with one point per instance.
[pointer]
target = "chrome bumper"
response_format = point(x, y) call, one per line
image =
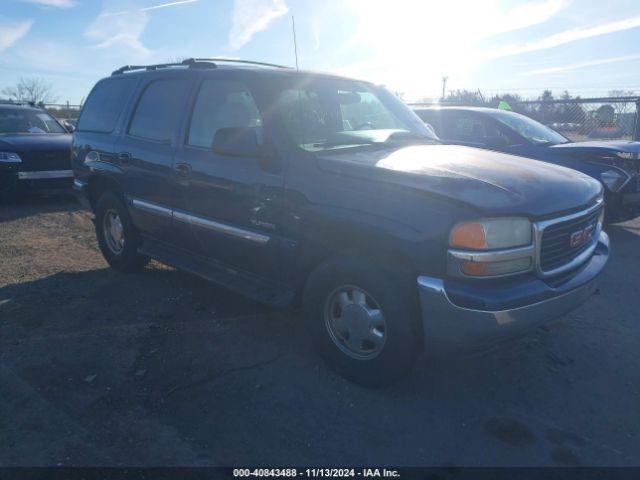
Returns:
point(448, 326)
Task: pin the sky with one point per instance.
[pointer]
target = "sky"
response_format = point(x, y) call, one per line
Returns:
point(585, 46)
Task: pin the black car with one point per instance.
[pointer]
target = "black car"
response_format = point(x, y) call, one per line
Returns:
point(34, 151)
point(312, 190)
point(616, 163)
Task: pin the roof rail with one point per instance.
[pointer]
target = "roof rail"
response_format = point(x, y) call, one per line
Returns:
point(234, 60)
point(192, 63)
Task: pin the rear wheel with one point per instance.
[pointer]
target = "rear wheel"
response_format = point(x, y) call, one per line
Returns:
point(363, 319)
point(117, 237)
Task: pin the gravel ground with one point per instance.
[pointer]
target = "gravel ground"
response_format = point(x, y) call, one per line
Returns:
point(162, 368)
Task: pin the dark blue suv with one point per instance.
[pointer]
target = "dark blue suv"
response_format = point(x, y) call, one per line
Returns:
point(312, 190)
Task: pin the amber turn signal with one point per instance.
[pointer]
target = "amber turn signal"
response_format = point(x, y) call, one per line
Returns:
point(468, 235)
point(474, 269)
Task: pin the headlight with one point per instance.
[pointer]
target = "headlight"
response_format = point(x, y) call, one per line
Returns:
point(613, 179)
point(491, 247)
point(491, 233)
point(9, 157)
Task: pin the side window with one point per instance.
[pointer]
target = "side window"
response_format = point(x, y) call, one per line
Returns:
point(159, 110)
point(475, 129)
point(221, 104)
point(105, 104)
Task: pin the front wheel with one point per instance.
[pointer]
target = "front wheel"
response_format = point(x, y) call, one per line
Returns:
point(117, 236)
point(363, 319)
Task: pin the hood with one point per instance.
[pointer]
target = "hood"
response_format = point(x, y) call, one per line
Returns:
point(490, 182)
point(600, 145)
point(26, 142)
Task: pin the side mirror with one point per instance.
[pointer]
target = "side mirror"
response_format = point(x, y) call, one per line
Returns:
point(237, 142)
point(69, 126)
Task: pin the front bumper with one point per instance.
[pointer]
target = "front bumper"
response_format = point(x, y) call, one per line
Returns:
point(451, 326)
point(22, 181)
point(45, 175)
point(81, 190)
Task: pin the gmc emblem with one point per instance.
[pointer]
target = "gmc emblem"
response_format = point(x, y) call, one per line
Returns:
point(582, 236)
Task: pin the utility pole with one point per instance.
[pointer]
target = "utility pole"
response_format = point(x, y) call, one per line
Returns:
point(295, 42)
point(444, 86)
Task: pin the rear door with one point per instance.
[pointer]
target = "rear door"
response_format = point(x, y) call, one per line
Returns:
point(100, 124)
point(228, 206)
point(146, 149)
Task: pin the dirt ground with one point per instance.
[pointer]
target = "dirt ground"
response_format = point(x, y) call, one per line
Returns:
point(162, 368)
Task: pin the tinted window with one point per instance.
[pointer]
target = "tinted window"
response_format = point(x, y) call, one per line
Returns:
point(221, 104)
point(28, 121)
point(474, 129)
point(159, 110)
point(335, 114)
point(105, 103)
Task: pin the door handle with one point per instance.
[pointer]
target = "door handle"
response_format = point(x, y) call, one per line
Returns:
point(183, 170)
point(124, 157)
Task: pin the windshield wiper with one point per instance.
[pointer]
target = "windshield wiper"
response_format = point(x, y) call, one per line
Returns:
point(401, 136)
point(343, 143)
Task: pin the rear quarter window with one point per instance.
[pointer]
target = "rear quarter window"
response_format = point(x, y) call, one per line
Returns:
point(105, 104)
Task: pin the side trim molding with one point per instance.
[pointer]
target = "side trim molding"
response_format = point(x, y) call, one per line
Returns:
point(151, 208)
point(219, 227)
point(199, 221)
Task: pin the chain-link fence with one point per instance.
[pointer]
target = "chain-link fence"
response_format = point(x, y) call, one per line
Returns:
point(582, 119)
point(63, 111)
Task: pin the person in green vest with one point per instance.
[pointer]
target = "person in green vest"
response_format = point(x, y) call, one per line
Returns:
point(504, 106)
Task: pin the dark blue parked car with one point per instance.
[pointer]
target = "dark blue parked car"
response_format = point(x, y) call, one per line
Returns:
point(329, 193)
point(616, 163)
point(34, 151)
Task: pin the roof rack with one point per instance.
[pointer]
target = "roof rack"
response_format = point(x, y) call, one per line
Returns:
point(234, 60)
point(192, 63)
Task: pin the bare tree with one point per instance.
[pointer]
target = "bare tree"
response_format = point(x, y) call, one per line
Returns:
point(623, 107)
point(34, 90)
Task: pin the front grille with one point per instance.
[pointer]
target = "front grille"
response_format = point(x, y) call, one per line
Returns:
point(556, 250)
point(44, 160)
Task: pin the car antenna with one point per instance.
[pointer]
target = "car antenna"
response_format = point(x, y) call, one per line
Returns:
point(295, 43)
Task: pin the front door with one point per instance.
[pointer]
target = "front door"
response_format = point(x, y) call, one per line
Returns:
point(228, 207)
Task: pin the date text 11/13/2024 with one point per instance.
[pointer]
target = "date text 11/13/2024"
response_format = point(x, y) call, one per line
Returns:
point(317, 472)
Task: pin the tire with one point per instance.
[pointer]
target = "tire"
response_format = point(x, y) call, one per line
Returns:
point(122, 256)
point(371, 363)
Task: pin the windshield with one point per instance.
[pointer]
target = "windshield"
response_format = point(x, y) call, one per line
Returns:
point(336, 114)
point(530, 129)
point(28, 121)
